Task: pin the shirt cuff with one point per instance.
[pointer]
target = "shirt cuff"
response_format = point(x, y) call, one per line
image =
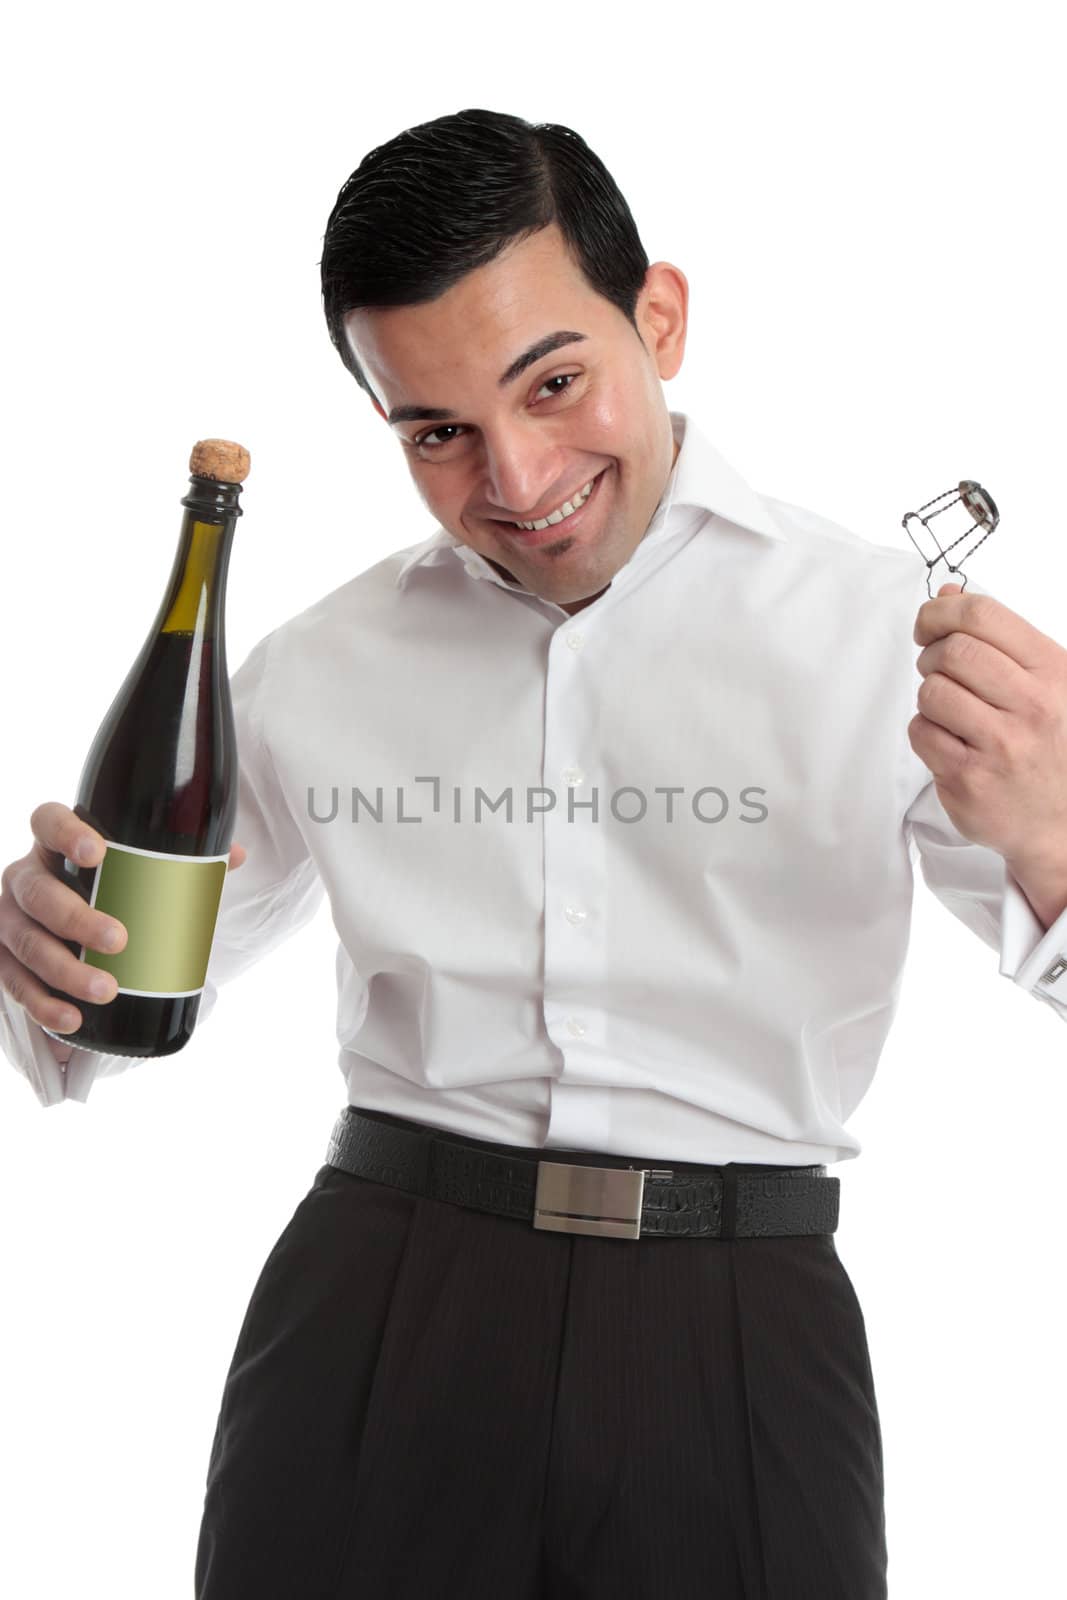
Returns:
point(1033, 957)
point(26, 1046)
point(85, 1066)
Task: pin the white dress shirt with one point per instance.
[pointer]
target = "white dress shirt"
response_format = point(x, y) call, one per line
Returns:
point(714, 987)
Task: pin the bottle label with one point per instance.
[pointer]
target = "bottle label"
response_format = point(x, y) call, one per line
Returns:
point(169, 905)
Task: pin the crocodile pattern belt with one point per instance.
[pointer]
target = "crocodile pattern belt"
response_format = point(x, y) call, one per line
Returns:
point(592, 1193)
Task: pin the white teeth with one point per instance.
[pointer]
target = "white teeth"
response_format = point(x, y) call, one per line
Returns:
point(564, 511)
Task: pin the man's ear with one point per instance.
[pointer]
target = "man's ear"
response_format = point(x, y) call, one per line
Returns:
point(663, 310)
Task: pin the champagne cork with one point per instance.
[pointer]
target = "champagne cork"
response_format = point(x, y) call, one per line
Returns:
point(220, 459)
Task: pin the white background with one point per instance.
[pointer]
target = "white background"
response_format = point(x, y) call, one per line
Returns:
point(868, 206)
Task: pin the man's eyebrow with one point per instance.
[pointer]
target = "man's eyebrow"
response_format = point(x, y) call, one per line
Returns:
point(543, 347)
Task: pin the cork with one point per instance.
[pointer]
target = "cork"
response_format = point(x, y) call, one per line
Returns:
point(220, 459)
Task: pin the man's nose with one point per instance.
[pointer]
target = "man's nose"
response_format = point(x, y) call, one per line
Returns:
point(519, 474)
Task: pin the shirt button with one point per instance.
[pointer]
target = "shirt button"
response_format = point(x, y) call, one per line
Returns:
point(573, 776)
point(575, 1026)
point(575, 640)
point(572, 914)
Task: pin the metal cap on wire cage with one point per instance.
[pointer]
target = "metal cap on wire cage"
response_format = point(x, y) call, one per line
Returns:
point(982, 518)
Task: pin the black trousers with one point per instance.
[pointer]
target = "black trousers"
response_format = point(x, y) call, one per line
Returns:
point(430, 1401)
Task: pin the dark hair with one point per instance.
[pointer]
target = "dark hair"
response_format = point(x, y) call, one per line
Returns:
point(447, 196)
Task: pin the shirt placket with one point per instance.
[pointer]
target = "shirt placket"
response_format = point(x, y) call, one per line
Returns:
point(575, 976)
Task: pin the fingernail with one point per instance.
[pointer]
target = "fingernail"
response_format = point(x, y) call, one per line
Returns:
point(85, 850)
point(111, 938)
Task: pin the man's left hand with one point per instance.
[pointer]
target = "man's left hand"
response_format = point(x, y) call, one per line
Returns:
point(992, 727)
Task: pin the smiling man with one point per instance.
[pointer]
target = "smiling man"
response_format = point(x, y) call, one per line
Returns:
point(562, 1314)
point(568, 428)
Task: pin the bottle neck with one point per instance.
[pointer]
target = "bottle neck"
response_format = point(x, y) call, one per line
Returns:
point(195, 598)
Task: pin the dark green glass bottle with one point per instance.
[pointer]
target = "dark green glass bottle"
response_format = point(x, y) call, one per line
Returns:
point(160, 785)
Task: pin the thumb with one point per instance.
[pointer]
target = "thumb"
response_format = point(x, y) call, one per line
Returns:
point(950, 588)
point(238, 854)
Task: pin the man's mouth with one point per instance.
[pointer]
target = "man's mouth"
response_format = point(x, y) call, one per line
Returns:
point(556, 529)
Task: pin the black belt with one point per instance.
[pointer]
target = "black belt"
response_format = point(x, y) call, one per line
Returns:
point(593, 1193)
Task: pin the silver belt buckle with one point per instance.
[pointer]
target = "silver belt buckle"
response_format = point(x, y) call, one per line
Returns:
point(600, 1200)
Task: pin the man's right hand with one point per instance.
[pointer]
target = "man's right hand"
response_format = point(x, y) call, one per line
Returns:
point(38, 911)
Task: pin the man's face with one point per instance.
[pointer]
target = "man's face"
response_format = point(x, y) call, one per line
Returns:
point(516, 447)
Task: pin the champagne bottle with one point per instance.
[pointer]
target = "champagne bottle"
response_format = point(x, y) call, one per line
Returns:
point(160, 785)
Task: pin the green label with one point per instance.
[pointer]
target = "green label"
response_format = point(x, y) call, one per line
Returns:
point(168, 905)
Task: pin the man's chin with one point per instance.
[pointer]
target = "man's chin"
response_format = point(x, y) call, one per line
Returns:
point(576, 594)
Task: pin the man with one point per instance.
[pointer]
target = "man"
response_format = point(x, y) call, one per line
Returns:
point(561, 1314)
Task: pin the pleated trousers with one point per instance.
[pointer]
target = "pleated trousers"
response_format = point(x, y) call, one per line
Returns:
point(426, 1400)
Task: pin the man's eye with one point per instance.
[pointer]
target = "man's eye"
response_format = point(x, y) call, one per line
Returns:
point(559, 377)
point(421, 443)
point(448, 427)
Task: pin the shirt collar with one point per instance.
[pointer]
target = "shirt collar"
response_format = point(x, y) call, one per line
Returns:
point(701, 478)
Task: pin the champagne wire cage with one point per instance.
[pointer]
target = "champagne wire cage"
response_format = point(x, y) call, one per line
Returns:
point(982, 515)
